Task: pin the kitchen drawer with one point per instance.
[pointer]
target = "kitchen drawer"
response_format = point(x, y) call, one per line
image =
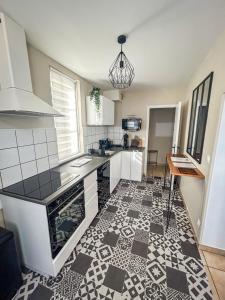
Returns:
point(91, 209)
point(90, 191)
point(90, 179)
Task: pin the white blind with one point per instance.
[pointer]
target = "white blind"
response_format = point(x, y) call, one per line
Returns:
point(64, 100)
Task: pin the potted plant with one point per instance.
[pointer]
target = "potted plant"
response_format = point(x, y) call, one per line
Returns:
point(95, 97)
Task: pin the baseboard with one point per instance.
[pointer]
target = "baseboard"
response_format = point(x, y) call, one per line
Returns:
point(200, 246)
point(212, 250)
point(188, 214)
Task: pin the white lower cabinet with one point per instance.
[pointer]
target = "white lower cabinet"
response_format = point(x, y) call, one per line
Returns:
point(91, 209)
point(91, 197)
point(125, 165)
point(132, 165)
point(115, 170)
point(136, 165)
point(29, 221)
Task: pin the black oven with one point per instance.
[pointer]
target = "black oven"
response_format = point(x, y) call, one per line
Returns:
point(132, 124)
point(65, 214)
point(103, 184)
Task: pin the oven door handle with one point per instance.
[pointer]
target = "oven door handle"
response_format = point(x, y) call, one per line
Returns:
point(65, 207)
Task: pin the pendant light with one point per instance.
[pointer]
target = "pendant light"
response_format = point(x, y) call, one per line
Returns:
point(121, 73)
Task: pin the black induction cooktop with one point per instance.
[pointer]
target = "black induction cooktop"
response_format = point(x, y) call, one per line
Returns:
point(40, 186)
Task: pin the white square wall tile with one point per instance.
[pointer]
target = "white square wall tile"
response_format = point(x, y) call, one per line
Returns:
point(11, 175)
point(39, 135)
point(52, 148)
point(9, 158)
point(51, 134)
point(24, 137)
point(42, 164)
point(53, 161)
point(26, 153)
point(41, 150)
point(7, 138)
point(29, 169)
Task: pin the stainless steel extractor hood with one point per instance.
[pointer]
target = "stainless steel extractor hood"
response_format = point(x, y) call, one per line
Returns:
point(16, 93)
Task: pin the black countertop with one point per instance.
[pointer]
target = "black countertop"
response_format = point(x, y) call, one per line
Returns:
point(66, 168)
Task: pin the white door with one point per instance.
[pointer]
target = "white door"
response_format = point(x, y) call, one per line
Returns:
point(136, 165)
point(176, 131)
point(125, 166)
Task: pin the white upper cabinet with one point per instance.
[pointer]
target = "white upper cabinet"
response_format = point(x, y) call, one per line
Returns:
point(105, 115)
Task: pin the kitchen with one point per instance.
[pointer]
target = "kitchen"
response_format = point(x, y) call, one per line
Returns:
point(82, 218)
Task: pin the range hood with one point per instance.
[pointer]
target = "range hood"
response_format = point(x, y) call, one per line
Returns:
point(16, 93)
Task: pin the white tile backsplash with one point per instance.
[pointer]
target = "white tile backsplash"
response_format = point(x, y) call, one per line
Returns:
point(7, 138)
point(92, 135)
point(11, 175)
point(35, 150)
point(24, 137)
point(52, 148)
point(41, 150)
point(26, 153)
point(42, 164)
point(53, 160)
point(39, 135)
point(51, 134)
point(29, 169)
point(9, 158)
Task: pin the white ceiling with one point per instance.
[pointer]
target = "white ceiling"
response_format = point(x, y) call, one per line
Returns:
point(167, 39)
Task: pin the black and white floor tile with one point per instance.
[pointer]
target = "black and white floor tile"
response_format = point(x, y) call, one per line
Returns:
point(127, 253)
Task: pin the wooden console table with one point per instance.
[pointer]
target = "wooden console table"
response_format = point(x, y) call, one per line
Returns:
point(179, 165)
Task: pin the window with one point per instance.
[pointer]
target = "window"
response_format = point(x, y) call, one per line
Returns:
point(65, 100)
point(198, 118)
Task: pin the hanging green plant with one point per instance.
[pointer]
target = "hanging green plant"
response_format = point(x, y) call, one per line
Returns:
point(95, 97)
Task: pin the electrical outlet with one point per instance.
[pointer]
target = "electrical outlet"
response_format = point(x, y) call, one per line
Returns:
point(198, 222)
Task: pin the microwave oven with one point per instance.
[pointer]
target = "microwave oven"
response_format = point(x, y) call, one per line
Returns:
point(132, 124)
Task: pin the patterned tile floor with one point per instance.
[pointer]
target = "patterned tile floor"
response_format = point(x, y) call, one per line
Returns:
point(126, 253)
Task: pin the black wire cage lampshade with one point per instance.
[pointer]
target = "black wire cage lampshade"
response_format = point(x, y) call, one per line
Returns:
point(121, 73)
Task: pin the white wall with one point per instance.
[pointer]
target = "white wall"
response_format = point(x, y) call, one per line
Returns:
point(214, 221)
point(194, 190)
point(135, 102)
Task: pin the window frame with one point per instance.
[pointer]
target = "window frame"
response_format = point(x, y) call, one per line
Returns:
point(78, 114)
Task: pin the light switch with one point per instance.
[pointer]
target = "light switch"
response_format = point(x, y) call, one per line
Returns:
point(208, 159)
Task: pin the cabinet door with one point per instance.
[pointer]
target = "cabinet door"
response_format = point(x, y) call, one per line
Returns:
point(93, 116)
point(136, 165)
point(108, 108)
point(125, 165)
point(115, 171)
point(91, 209)
point(118, 169)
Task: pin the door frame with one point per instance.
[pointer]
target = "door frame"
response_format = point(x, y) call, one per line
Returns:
point(147, 128)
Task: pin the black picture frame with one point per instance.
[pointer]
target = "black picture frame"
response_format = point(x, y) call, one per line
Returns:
point(198, 118)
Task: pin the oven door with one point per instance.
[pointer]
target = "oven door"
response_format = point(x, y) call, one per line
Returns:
point(64, 221)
